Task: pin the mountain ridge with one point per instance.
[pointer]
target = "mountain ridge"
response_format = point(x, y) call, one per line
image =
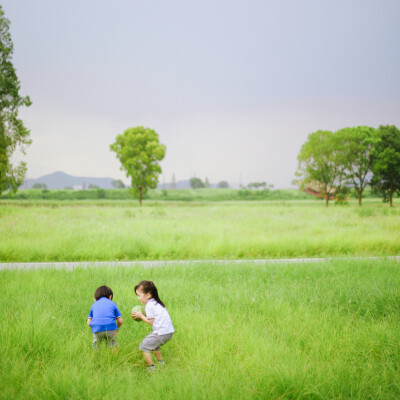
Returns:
point(61, 180)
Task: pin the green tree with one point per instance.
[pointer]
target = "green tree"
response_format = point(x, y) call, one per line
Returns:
point(39, 185)
point(118, 184)
point(386, 163)
point(13, 134)
point(196, 183)
point(140, 152)
point(257, 185)
point(223, 185)
point(355, 148)
point(319, 169)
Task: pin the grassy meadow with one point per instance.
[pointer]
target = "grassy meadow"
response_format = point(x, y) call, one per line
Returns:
point(105, 230)
point(292, 331)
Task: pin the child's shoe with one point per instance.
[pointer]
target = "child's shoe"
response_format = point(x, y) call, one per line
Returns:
point(161, 363)
point(151, 368)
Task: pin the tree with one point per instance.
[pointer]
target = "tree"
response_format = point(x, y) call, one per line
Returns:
point(39, 185)
point(206, 183)
point(117, 184)
point(355, 149)
point(196, 183)
point(13, 133)
point(257, 185)
point(140, 152)
point(319, 169)
point(386, 163)
point(223, 185)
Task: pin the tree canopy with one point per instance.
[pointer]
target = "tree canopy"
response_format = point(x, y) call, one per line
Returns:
point(331, 164)
point(118, 184)
point(196, 183)
point(355, 147)
point(13, 133)
point(39, 185)
point(318, 168)
point(386, 163)
point(140, 152)
point(223, 185)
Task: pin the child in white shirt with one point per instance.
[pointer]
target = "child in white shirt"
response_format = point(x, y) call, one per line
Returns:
point(157, 316)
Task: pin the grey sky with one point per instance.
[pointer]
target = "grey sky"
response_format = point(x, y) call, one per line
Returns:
point(233, 88)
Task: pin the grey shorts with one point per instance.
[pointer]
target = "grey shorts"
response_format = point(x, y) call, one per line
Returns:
point(153, 341)
point(109, 337)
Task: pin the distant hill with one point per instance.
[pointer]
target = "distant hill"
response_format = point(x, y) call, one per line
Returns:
point(61, 180)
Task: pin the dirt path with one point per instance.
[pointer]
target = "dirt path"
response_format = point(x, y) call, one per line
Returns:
point(154, 264)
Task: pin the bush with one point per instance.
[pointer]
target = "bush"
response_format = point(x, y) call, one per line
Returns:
point(196, 183)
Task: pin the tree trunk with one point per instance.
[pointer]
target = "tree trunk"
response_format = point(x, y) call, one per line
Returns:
point(327, 200)
point(140, 196)
point(391, 196)
point(359, 197)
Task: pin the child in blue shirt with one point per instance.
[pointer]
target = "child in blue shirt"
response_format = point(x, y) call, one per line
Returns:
point(104, 319)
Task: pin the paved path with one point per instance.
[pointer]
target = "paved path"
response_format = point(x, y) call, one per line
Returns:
point(152, 264)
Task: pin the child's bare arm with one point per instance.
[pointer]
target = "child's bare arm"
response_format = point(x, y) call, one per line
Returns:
point(148, 321)
point(88, 321)
point(139, 314)
point(120, 321)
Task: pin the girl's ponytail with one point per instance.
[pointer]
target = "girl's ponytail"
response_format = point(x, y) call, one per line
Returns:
point(149, 287)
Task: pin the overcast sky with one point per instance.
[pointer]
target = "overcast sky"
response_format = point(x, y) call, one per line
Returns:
point(232, 87)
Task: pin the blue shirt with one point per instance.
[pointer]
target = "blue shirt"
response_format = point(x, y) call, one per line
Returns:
point(103, 314)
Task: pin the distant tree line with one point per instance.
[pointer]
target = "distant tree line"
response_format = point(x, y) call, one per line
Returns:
point(39, 185)
point(197, 183)
point(257, 186)
point(332, 164)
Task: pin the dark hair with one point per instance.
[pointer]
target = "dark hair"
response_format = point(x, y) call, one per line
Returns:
point(149, 287)
point(103, 291)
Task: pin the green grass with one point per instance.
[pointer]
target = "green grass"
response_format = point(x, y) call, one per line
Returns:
point(117, 230)
point(160, 195)
point(306, 331)
point(181, 195)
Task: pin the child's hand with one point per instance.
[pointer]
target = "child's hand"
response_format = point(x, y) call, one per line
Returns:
point(137, 315)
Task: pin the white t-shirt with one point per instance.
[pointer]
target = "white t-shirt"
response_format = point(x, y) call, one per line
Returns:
point(162, 321)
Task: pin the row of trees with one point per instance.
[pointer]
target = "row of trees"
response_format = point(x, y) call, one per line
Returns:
point(331, 164)
point(197, 183)
point(116, 184)
point(257, 186)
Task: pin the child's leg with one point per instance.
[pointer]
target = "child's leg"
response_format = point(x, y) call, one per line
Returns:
point(162, 340)
point(157, 353)
point(111, 342)
point(147, 357)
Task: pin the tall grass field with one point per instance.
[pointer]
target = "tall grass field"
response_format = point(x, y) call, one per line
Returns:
point(118, 230)
point(292, 331)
